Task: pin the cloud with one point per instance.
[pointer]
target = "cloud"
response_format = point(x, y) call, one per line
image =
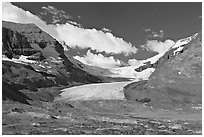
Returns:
point(153, 34)
point(73, 36)
point(54, 16)
point(105, 30)
point(54, 10)
point(146, 30)
point(134, 62)
point(99, 60)
point(159, 34)
point(158, 46)
point(94, 39)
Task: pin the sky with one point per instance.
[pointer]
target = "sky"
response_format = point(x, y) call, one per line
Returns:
point(111, 34)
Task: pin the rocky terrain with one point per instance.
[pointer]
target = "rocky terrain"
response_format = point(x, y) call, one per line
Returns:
point(45, 91)
point(100, 117)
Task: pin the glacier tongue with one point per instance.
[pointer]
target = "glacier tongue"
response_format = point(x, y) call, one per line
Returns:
point(94, 92)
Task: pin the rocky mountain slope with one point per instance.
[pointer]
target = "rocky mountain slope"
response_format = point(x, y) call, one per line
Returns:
point(160, 58)
point(176, 83)
point(32, 59)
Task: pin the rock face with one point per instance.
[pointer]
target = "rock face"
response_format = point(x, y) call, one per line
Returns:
point(146, 66)
point(32, 59)
point(177, 81)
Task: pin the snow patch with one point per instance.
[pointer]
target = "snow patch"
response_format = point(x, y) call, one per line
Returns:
point(58, 60)
point(22, 59)
point(178, 50)
point(40, 65)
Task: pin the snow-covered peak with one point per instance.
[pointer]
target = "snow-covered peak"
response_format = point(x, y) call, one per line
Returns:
point(179, 44)
point(184, 41)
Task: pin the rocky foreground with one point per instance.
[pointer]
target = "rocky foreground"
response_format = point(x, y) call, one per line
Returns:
point(100, 117)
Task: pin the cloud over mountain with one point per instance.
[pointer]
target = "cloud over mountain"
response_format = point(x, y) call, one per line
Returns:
point(158, 46)
point(73, 35)
point(94, 39)
point(99, 60)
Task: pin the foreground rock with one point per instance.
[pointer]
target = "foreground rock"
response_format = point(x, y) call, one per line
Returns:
point(91, 118)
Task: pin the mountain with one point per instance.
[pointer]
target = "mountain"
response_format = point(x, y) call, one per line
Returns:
point(32, 59)
point(176, 83)
point(157, 60)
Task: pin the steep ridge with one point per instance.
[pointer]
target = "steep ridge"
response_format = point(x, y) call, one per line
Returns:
point(176, 83)
point(157, 60)
point(33, 59)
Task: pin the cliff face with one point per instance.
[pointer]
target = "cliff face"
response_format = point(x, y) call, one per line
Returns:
point(177, 80)
point(33, 59)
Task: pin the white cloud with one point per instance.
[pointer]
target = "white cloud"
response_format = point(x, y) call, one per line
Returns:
point(106, 30)
point(154, 34)
point(73, 36)
point(158, 46)
point(134, 62)
point(99, 60)
point(147, 29)
point(54, 10)
point(94, 39)
point(159, 34)
point(54, 14)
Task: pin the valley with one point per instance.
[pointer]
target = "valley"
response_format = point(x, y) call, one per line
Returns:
point(60, 78)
